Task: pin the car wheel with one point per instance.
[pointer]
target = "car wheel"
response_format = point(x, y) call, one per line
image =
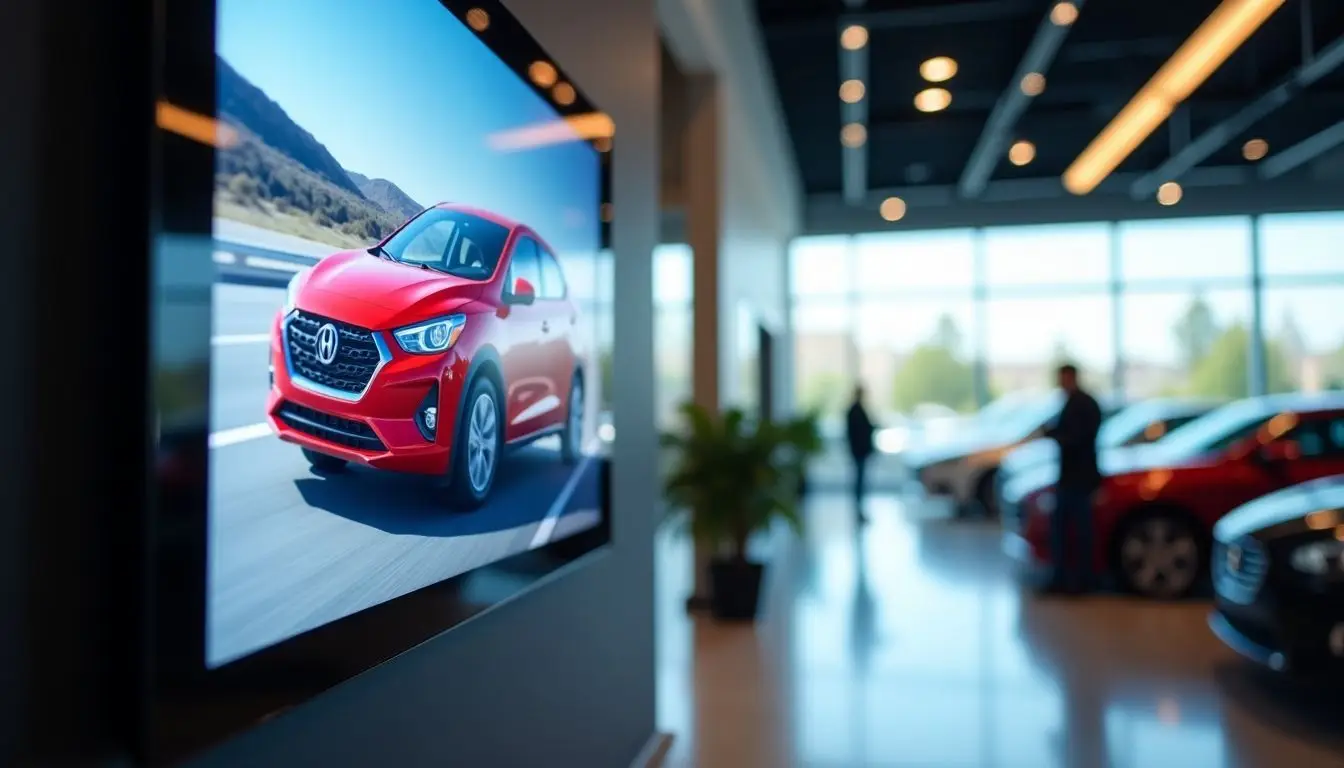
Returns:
point(323, 463)
point(477, 447)
point(985, 494)
point(571, 439)
point(1160, 554)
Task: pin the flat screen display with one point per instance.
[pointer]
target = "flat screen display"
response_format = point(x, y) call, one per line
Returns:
point(405, 365)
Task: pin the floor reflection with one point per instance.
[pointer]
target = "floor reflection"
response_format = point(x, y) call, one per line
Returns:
point(907, 642)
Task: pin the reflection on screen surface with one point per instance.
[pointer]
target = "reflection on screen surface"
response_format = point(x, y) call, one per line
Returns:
point(405, 375)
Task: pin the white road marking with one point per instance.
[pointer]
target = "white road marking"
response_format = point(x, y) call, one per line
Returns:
point(224, 257)
point(262, 262)
point(547, 527)
point(230, 339)
point(226, 437)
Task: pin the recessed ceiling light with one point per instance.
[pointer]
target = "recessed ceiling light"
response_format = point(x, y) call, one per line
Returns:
point(1255, 149)
point(853, 135)
point(851, 91)
point(542, 73)
point(854, 37)
point(1021, 153)
point(564, 94)
point(478, 19)
point(933, 99)
point(1064, 14)
point(1169, 193)
point(1033, 83)
point(939, 69)
point(892, 209)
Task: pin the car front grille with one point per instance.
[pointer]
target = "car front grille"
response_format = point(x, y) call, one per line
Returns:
point(333, 429)
point(1239, 569)
point(357, 354)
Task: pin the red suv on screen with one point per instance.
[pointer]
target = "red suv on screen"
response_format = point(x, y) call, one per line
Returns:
point(430, 353)
point(1154, 513)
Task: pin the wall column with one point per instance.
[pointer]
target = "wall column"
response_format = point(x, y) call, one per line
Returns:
point(1258, 375)
point(702, 205)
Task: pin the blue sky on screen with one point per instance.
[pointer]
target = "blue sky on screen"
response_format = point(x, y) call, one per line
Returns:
point(401, 90)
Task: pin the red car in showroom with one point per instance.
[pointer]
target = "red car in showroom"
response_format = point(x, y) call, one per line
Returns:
point(430, 353)
point(1154, 514)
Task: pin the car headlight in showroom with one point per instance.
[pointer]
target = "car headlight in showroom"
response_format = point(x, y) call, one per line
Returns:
point(292, 290)
point(1319, 558)
point(430, 337)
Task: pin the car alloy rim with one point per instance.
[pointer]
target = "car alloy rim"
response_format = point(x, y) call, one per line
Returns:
point(482, 442)
point(576, 417)
point(1159, 557)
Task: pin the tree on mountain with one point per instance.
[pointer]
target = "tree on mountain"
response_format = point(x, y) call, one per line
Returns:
point(1196, 332)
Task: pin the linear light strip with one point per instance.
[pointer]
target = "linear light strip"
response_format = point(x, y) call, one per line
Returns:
point(1221, 34)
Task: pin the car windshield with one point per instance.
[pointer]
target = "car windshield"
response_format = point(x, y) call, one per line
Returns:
point(1216, 430)
point(453, 242)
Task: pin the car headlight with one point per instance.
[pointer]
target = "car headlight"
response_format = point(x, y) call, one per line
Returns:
point(431, 337)
point(292, 290)
point(1319, 558)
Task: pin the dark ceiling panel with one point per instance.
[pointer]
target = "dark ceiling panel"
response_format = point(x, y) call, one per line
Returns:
point(1114, 48)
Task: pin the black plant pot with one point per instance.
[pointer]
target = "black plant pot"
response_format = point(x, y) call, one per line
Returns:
point(736, 587)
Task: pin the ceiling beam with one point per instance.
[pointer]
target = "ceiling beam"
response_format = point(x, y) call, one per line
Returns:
point(998, 129)
point(854, 160)
point(938, 14)
point(1302, 152)
point(1041, 188)
point(1325, 61)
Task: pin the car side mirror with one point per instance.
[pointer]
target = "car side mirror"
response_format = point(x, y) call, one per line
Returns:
point(1278, 451)
point(522, 293)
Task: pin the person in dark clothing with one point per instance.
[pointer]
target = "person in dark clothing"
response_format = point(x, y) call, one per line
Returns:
point(859, 429)
point(1075, 431)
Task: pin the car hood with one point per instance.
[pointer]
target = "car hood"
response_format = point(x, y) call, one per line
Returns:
point(1113, 462)
point(1287, 508)
point(952, 449)
point(1029, 455)
point(380, 292)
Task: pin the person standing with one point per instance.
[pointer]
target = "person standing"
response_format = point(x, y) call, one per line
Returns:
point(1075, 431)
point(859, 429)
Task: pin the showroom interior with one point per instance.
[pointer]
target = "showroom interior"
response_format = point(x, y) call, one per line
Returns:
point(938, 201)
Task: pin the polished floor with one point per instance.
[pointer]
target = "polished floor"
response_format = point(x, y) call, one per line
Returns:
point(908, 642)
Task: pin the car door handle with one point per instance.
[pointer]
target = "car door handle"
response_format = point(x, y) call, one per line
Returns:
point(545, 326)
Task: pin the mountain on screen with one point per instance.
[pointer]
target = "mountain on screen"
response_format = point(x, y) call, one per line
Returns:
point(386, 194)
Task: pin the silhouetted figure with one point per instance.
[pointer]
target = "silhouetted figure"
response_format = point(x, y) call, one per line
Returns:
point(859, 429)
point(1071, 523)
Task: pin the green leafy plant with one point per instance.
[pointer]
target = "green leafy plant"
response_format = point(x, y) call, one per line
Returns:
point(732, 476)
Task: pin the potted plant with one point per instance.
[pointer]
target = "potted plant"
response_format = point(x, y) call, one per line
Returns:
point(732, 477)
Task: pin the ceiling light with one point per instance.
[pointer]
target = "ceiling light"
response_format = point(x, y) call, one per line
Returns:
point(1064, 14)
point(564, 94)
point(1255, 149)
point(478, 19)
point(892, 209)
point(1222, 33)
point(542, 73)
point(853, 135)
point(1169, 193)
point(1021, 153)
point(933, 99)
point(851, 91)
point(854, 37)
point(939, 69)
point(1033, 84)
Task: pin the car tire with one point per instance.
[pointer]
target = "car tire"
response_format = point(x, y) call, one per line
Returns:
point(324, 463)
point(985, 495)
point(1160, 554)
point(571, 437)
point(478, 446)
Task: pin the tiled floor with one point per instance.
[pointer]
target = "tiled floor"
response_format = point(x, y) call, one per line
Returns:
point(909, 643)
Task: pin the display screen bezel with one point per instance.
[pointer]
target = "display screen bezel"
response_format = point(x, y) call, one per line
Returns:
point(188, 706)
